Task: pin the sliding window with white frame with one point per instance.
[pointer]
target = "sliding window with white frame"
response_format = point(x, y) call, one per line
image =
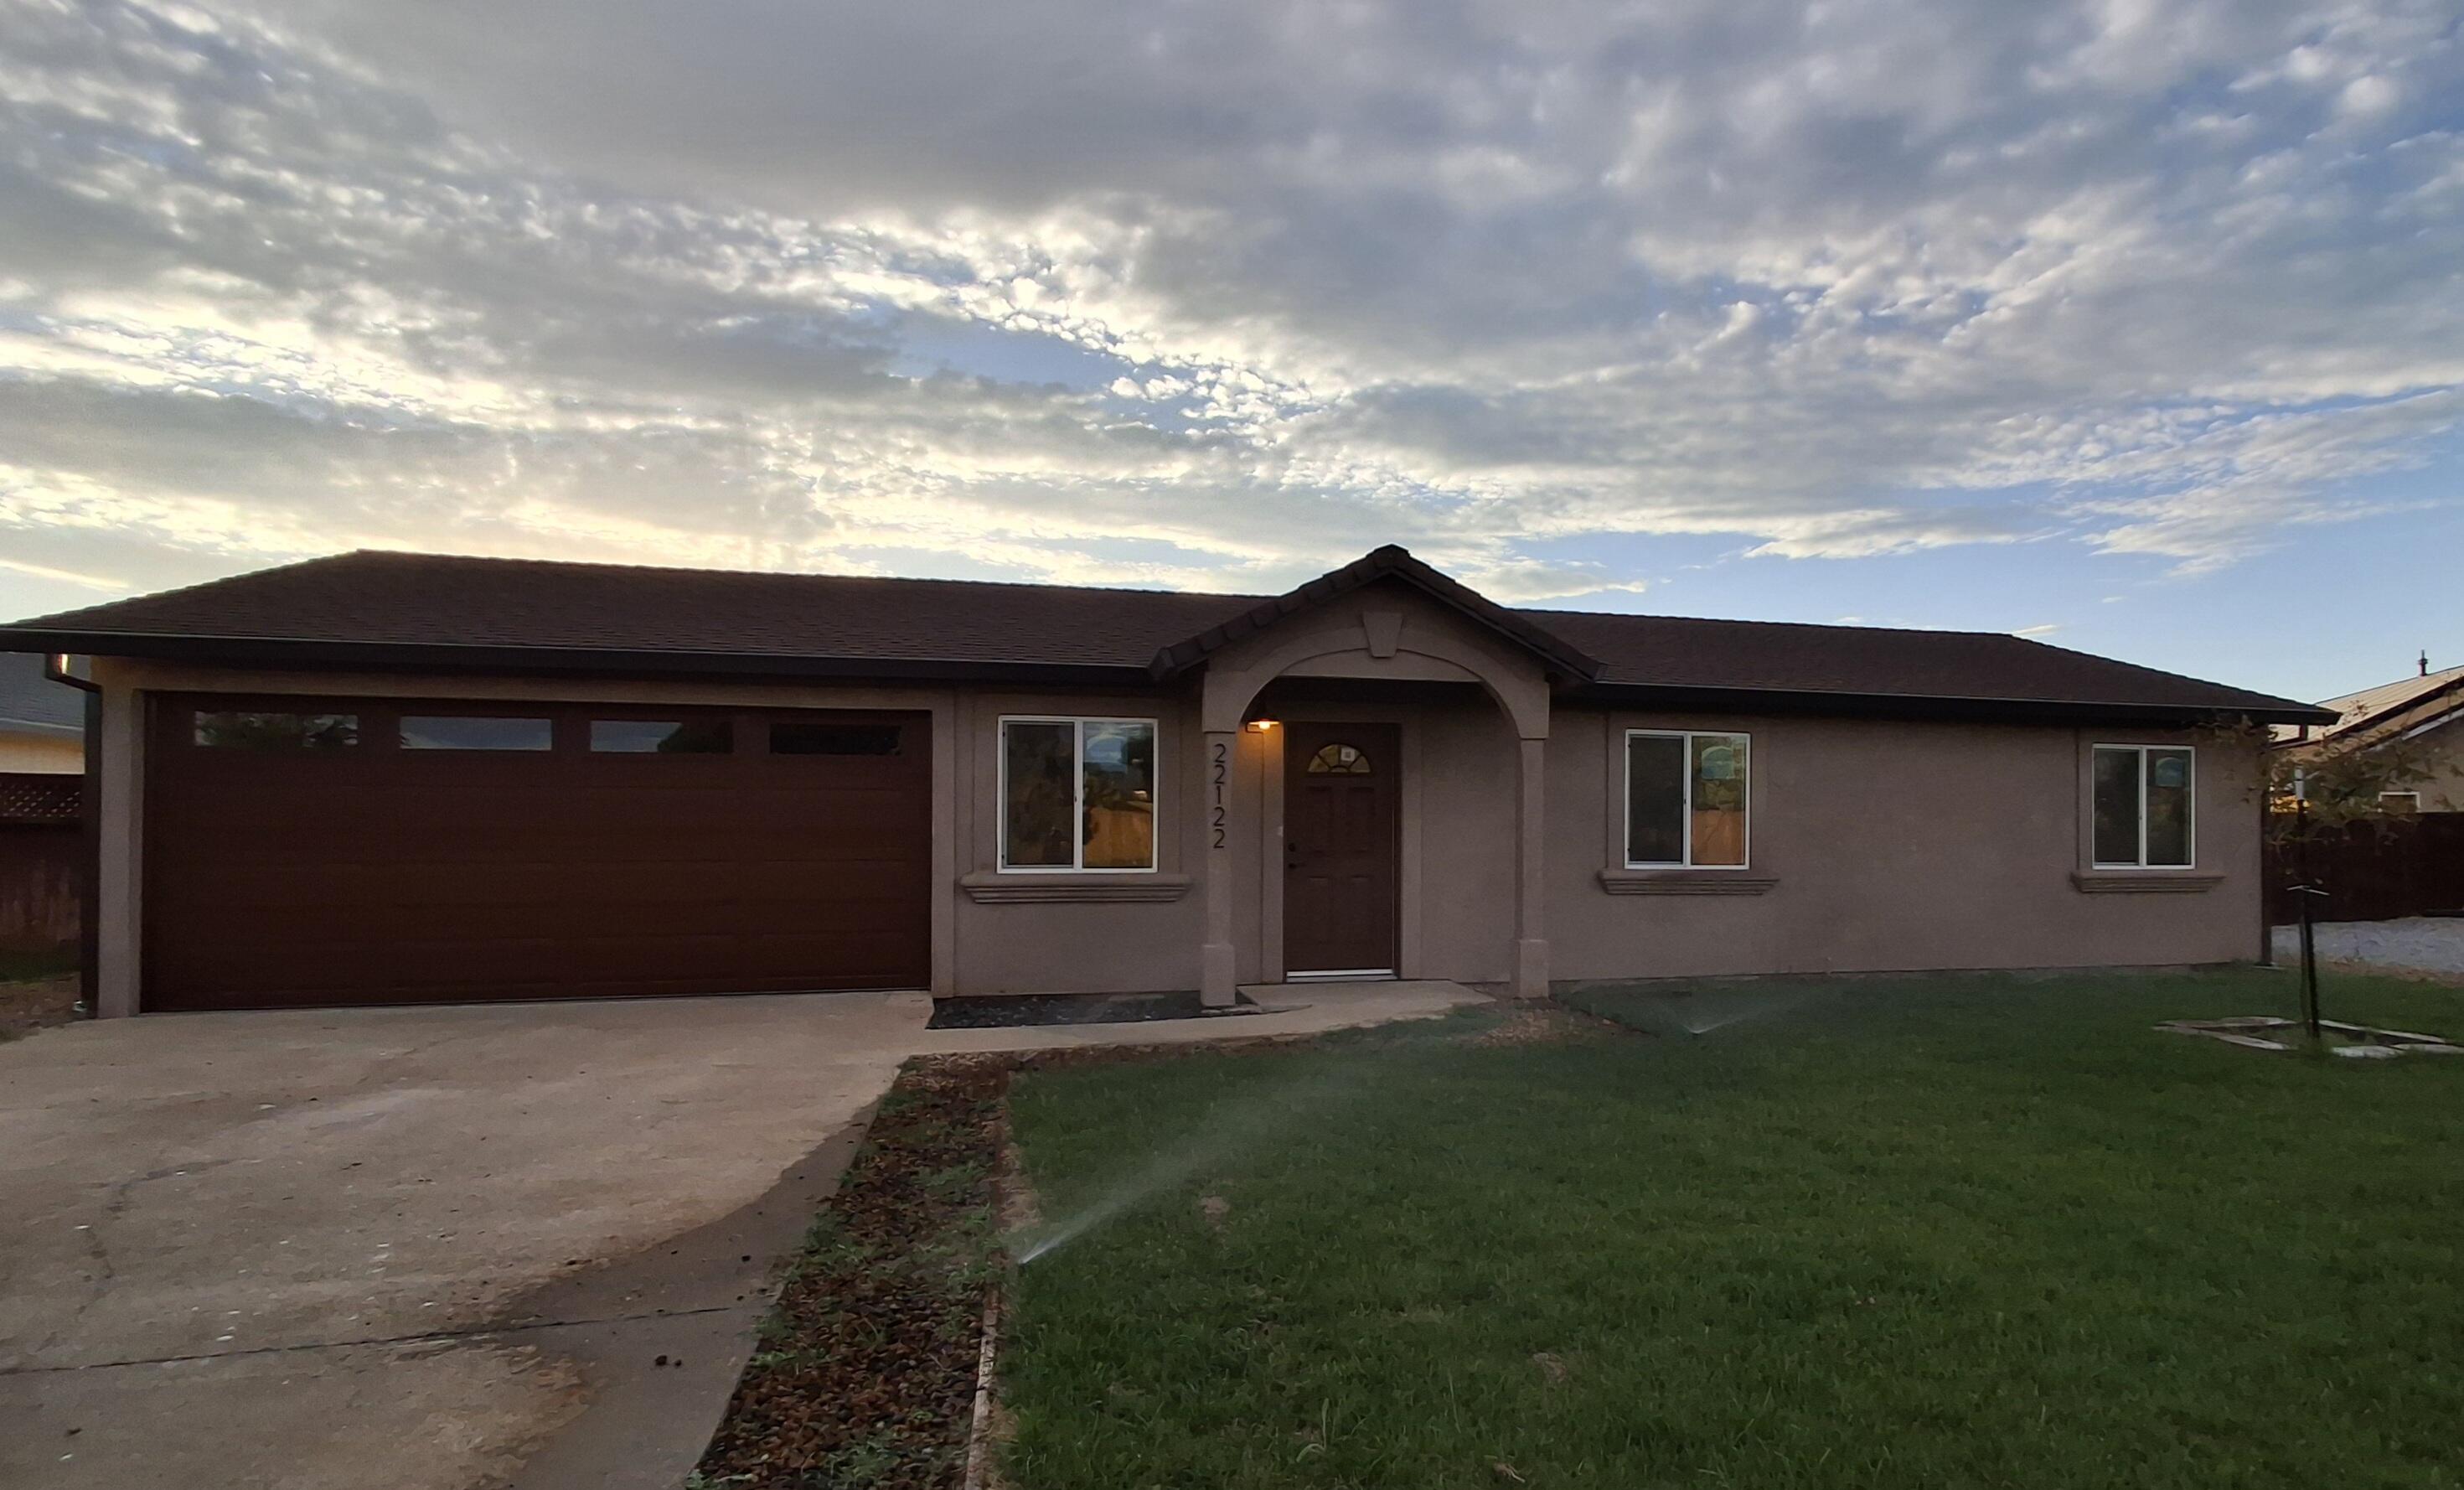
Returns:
point(1077, 795)
point(2143, 812)
point(1688, 799)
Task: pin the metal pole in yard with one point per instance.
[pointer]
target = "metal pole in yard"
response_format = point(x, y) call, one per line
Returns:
point(2308, 893)
point(2309, 966)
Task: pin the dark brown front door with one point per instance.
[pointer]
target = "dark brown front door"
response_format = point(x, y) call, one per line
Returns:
point(1340, 816)
point(393, 851)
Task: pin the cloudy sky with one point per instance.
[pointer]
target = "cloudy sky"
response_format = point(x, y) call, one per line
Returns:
point(2135, 325)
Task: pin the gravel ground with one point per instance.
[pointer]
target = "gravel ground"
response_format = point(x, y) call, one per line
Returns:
point(2417, 944)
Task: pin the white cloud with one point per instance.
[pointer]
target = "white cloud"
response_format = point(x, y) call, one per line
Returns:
point(64, 577)
point(1218, 298)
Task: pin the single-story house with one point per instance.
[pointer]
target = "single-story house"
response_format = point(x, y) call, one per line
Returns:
point(2424, 711)
point(386, 777)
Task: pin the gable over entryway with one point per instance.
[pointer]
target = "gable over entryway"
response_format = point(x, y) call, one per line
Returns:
point(1385, 623)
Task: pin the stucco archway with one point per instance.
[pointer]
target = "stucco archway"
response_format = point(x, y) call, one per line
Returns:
point(1397, 646)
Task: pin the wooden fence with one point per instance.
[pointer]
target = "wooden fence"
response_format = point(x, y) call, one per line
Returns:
point(2372, 871)
point(42, 862)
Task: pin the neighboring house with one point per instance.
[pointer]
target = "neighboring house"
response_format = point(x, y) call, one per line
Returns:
point(42, 759)
point(2425, 711)
point(43, 723)
point(386, 778)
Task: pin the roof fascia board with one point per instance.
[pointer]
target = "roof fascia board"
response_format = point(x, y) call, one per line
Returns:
point(2428, 726)
point(450, 658)
point(437, 658)
point(1928, 706)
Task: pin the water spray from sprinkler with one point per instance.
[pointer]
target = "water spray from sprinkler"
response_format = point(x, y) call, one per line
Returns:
point(1238, 1126)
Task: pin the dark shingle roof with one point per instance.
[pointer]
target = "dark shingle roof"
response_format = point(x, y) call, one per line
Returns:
point(29, 701)
point(452, 601)
point(434, 606)
point(1677, 652)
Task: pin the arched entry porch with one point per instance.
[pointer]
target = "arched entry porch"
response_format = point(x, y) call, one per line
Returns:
point(1452, 729)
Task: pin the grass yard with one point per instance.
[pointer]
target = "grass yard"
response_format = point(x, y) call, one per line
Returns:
point(1983, 1230)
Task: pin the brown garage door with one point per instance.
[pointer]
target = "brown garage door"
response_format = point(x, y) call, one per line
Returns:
point(407, 851)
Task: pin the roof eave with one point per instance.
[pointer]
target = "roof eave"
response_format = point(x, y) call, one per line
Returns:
point(276, 651)
point(1904, 705)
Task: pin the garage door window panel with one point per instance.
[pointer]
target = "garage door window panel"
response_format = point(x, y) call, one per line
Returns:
point(662, 736)
point(476, 732)
point(270, 730)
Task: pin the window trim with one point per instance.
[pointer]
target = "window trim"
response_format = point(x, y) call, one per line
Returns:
point(2191, 799)
point(1625, 801)
point(1078, 794)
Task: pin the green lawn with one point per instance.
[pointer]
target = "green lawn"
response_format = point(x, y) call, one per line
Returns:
point(1983, 1230)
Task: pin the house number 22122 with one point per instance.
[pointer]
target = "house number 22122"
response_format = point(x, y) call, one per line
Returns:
point(1222, 771)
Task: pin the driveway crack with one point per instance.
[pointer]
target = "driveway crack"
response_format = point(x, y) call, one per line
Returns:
point(425, 1336)
point(115, 1206)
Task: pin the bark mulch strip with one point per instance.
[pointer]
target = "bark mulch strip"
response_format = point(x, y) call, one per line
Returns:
point(865, 1373)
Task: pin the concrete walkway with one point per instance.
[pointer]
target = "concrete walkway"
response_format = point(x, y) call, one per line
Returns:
point(1286, 1011)
point(437, 1247)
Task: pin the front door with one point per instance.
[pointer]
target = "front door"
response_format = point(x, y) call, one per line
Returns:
point(1340, 816)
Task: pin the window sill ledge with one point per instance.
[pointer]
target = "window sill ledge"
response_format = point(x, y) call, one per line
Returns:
point(2128, 881)
point(1684, 881)
point(1131, 889)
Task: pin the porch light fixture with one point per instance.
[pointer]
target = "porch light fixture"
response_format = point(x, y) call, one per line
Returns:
point(1260, 726)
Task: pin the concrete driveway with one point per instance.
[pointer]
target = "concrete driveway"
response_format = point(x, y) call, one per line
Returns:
point(403, 1248)
point(436, 1248)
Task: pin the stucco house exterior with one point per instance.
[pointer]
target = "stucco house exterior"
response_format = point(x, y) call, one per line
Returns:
point(392, 778)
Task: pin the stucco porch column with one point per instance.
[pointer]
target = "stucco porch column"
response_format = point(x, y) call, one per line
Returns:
point(1530, 936)
point(1214, 964)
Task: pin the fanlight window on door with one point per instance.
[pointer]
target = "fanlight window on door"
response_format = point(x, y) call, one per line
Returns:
point(1338, 760)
